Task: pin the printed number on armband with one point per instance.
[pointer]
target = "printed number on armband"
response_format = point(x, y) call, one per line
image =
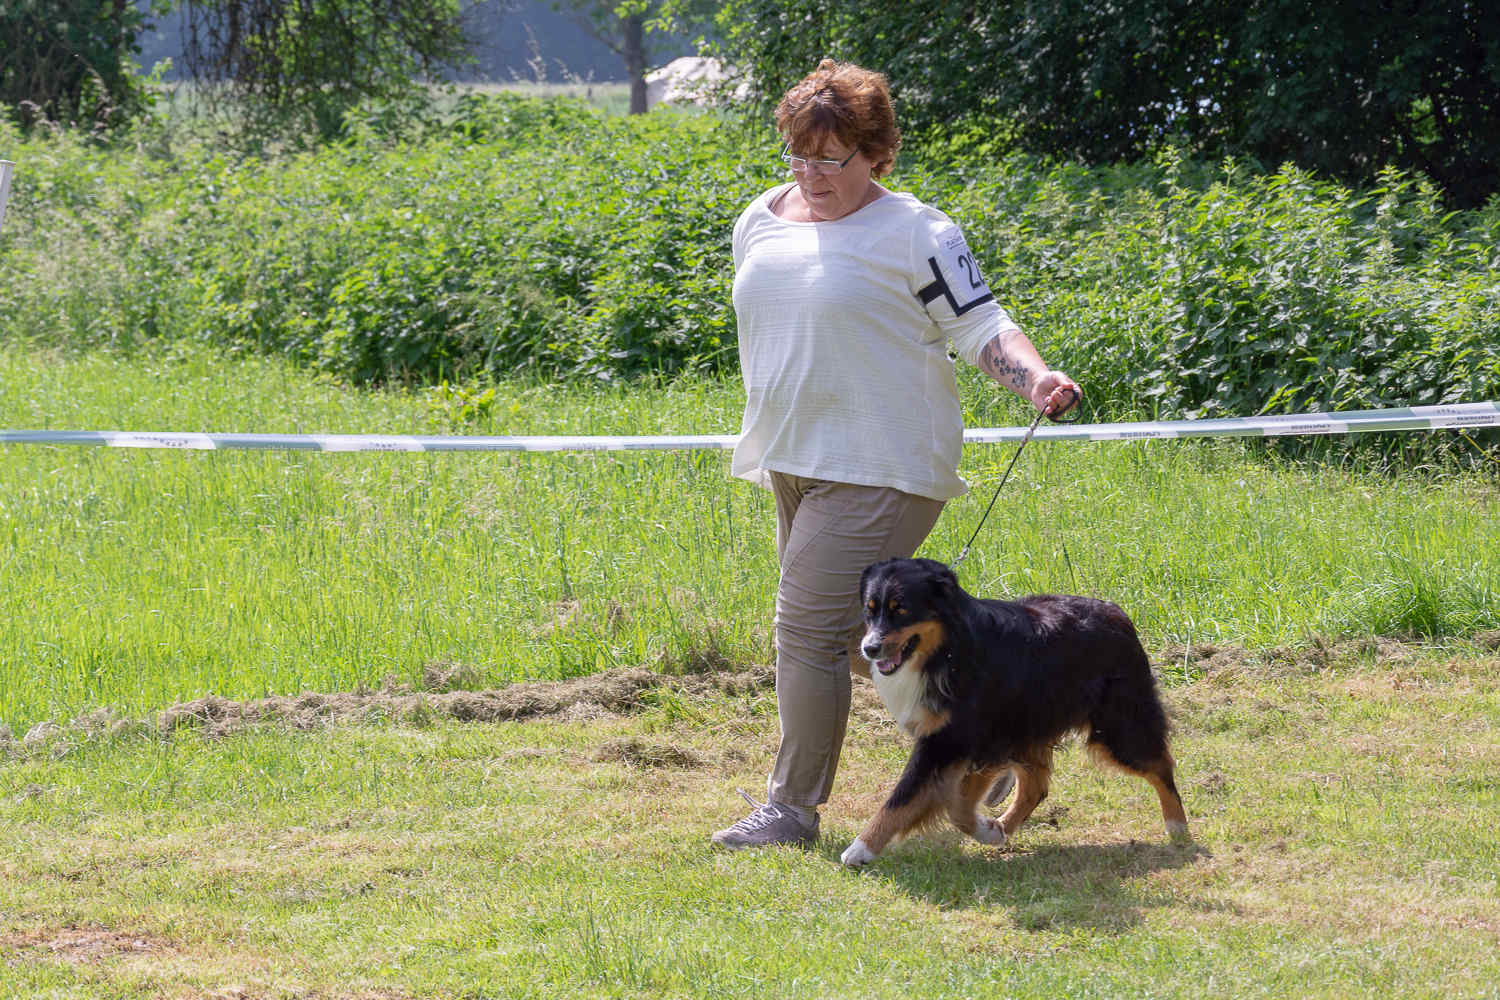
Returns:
point(959, 272)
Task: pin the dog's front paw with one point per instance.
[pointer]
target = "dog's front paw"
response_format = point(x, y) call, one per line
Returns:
point(989, 831)
point(857, 854)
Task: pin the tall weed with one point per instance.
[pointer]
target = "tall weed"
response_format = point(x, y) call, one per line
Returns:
point(538, 236)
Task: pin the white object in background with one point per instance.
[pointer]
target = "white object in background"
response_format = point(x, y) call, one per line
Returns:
point(696, 80)
point(5, 168)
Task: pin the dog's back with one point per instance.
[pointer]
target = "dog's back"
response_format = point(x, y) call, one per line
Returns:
point(1045, 665)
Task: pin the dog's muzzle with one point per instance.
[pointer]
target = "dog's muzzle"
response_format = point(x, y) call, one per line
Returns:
point(887, 657)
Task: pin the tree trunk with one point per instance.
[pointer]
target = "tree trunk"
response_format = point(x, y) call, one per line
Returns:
point(635, 61)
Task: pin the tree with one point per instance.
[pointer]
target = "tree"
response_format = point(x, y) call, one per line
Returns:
point(1410, 82)
point(315, 59)
point(70, 60)
point(632, 29)
point(1342, 86)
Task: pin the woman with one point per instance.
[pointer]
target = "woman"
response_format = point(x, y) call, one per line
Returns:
point(847, 296)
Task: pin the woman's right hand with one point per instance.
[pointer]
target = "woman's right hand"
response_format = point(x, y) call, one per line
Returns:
point(1055, 394)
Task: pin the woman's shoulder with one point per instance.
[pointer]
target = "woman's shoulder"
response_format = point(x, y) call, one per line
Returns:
point(759, 209)
point(904, 210)
point(766, 198)
point(917, 210)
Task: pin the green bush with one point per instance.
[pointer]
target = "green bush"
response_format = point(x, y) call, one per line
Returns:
point(1187, 291)
point(522, 235)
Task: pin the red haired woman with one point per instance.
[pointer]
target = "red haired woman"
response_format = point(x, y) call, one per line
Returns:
point(848, 296)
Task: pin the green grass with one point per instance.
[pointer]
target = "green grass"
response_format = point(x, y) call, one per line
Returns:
point(1341, 793)
point(611, 98)
point(1343, 845)
point(134, 579)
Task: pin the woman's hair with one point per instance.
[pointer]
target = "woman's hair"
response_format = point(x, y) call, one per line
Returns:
point(847, 102)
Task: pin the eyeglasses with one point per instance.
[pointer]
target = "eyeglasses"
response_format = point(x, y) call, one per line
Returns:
point(801, 164)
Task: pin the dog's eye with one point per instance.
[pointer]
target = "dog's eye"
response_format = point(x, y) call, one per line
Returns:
point(894, 607)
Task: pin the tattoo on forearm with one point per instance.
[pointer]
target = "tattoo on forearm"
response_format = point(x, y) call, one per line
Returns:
point(994, 362)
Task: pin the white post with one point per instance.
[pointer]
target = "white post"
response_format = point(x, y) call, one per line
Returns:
point(5, 168)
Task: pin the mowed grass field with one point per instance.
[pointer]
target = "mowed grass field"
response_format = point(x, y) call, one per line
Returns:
point(1325, 639)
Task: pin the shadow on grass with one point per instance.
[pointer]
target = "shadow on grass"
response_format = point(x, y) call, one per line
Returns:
point(1093, 886)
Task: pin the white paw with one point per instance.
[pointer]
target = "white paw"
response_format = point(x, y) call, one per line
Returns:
point(989, 831)
point(857, 854)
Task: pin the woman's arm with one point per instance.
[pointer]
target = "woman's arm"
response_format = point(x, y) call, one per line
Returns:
point(1010, 359)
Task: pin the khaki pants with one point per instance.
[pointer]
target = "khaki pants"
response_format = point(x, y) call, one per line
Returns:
point(826, 534)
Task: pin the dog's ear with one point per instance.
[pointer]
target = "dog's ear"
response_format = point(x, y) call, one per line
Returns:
point(946, 580)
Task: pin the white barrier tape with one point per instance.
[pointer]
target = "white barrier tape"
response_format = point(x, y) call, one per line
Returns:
point(5, 170)
point(1415, 418)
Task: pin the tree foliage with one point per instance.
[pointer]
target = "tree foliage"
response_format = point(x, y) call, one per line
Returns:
point(313, 60)
point(1343, 87)
point(70, 60)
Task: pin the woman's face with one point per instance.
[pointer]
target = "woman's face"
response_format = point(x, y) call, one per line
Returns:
point(832, 196)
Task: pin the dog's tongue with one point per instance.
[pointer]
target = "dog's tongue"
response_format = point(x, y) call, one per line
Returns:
point(887, 665)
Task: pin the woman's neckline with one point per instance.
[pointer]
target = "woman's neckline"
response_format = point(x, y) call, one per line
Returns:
point(778, 197)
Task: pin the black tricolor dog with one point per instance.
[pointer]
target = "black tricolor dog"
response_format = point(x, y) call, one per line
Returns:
point(988, 687)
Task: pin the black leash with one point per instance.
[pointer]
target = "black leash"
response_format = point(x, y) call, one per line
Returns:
point(963, 554)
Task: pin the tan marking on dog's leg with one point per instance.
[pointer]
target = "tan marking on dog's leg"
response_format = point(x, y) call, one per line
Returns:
point(963, 805)
point(1033, 780)
point(1172, 813)
point(1159, 775)
point(890, 824)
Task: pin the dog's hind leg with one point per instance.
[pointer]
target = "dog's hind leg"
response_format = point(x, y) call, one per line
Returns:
point(1033, 780)
point(1130, 732)
point(1158, 773)
point(963, 804)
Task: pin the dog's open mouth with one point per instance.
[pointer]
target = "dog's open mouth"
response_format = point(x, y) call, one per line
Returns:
point(891, 664)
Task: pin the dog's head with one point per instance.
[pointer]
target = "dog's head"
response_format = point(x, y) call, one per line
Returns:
point(905, 603)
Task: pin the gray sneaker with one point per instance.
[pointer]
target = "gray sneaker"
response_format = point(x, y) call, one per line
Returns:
point(768, 824)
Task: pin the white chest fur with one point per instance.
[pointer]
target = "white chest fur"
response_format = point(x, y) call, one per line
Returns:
point(902, 693)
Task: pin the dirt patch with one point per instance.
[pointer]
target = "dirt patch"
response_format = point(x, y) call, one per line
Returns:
point(448, 675)
point(614, 692)
point(736, 683)
point(447, 694)
point(80, 945)
point(641, 753)
point(1319, 654)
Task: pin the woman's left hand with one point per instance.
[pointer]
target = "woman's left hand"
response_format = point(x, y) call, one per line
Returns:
point(1055, 394)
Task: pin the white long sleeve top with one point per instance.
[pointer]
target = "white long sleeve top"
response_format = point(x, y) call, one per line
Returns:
point(844, 329)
